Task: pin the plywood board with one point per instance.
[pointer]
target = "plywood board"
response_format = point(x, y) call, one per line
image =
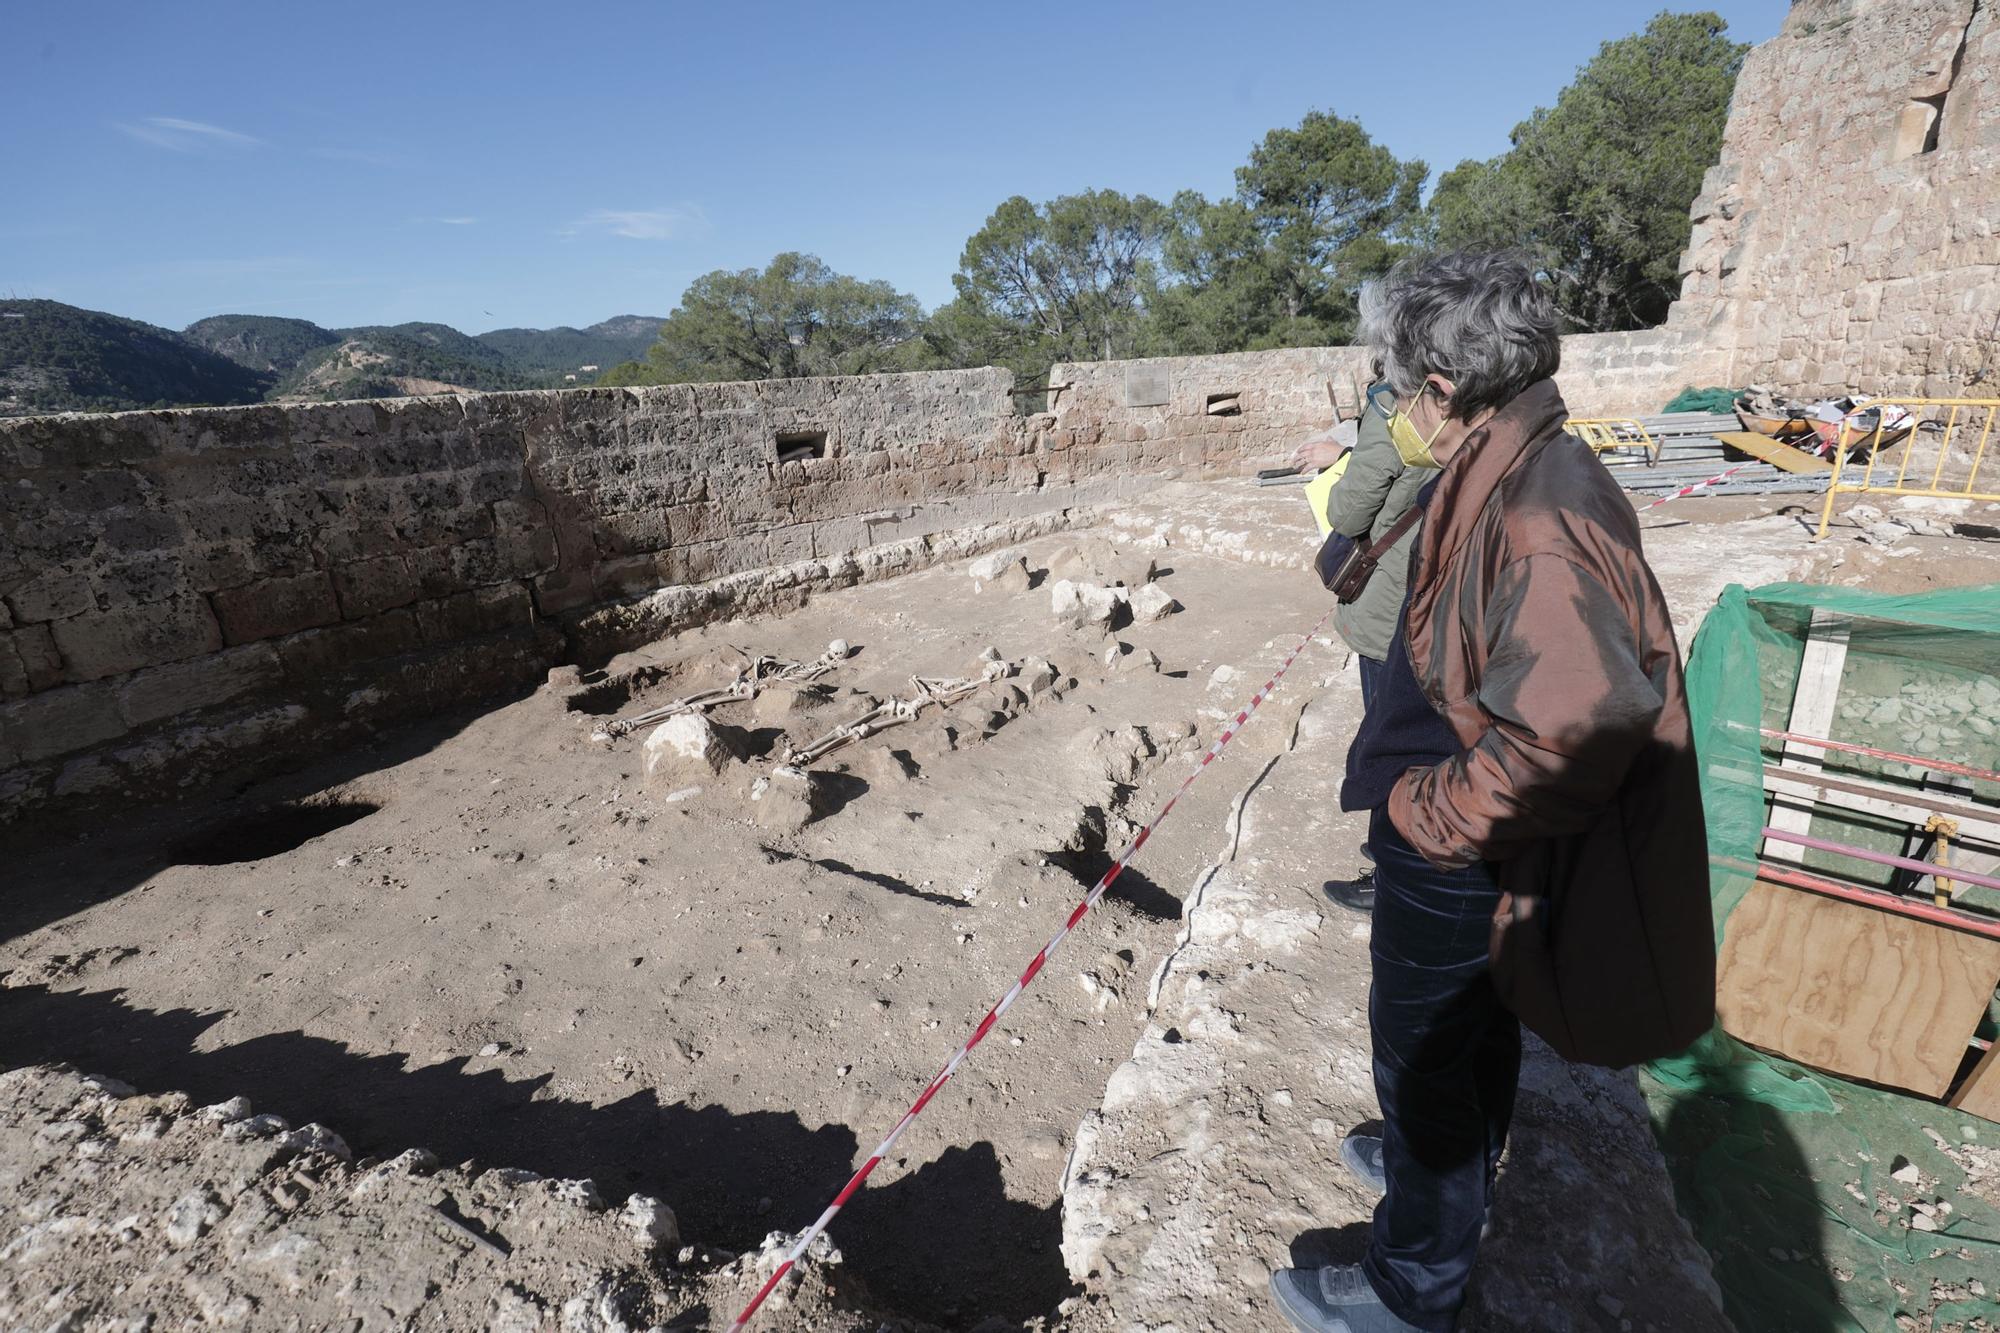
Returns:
point(1771, 451)
point(1980, 1093)
point(1853, 990)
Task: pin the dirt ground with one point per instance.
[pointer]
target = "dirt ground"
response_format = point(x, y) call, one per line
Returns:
point(497, 939)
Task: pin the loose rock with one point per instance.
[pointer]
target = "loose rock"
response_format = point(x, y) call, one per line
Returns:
point(688, 747)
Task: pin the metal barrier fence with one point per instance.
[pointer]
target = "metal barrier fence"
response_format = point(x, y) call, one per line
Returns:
point(1952, 435)
point(1604, 434)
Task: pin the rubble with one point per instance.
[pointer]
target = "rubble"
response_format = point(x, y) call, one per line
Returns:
point(1085, 605)
point(1151, 602)
point(687, 748)
point(789, 798)
point(1003, 571)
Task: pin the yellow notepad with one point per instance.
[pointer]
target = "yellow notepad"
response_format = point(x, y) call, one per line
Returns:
point(1321, 486)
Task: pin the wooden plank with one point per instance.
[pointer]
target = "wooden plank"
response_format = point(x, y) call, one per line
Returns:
point(1778, 455)
point(1815, 699)
point(1980, 1093)
point(1849, 989)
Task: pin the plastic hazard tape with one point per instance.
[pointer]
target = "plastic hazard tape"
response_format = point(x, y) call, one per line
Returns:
point(1690, 490)
point(1035, 965)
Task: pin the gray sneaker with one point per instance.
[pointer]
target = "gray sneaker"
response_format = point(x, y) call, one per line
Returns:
point(1335, 1299)
point(1362, 1154)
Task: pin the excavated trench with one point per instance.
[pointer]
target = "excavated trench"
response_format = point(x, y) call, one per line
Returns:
point(514, 946)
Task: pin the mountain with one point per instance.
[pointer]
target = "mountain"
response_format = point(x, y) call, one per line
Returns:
point(268, 343)
point(386, 361)
point(56, 358)
point(565, 351)
point(61, 358)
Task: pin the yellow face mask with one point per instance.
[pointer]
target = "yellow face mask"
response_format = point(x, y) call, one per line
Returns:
point(1411, 447)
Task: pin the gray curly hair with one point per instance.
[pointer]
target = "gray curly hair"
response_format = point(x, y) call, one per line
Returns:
point(1480, 319)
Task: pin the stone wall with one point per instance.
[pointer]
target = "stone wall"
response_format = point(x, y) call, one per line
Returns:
point(189, 597)
point(1252, 406)
point(1256, 406)
point(1846, 240)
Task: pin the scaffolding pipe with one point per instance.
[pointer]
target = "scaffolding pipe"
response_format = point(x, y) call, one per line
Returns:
point(1846, 747)
point(1875, 898)
point(1879, 858)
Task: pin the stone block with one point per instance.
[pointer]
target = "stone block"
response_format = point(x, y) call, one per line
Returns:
point(112, 643)
point(474, 612)
point(28, 661)
point(275, 607)
point(200, 682)
point(370, 587)
point(52, 595)
point(564, 590)
point(60, 721)
point(316, 652)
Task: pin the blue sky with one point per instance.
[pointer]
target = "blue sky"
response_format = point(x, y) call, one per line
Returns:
point(512, 164)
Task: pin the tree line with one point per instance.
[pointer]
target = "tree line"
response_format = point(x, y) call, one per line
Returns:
point(1596, 189)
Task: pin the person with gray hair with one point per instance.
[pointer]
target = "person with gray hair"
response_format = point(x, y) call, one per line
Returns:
point(1526, 761)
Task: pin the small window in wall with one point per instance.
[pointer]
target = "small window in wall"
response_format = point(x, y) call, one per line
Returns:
point(1224, 405)
point(795, 446)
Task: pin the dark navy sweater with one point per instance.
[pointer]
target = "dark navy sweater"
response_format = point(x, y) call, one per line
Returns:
point(1400, 730)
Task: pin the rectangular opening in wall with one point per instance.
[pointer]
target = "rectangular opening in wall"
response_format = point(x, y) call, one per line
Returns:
point(795, 446)
point(1223, 405)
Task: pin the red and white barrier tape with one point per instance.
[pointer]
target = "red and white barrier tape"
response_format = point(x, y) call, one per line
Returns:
point(1014, 993)
point(1690, 490)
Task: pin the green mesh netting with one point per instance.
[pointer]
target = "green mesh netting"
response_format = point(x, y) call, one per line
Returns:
point(1785, 1174)
point(1692, 399)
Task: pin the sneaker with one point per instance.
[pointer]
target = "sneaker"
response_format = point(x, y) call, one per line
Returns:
point(1356, 895)
point(1362, 1154)
point(1335, 1299)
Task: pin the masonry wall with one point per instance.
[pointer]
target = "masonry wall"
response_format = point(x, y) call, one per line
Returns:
point(1257, 406)
point(1846, 240)
point(194, 597)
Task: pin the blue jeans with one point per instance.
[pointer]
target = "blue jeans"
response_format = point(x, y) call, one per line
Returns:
point(1447, 1063)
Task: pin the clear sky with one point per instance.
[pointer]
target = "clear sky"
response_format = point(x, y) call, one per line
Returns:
point(499, 163)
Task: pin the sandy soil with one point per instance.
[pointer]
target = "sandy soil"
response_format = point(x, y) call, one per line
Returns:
point(513, 949)
point(497, 939)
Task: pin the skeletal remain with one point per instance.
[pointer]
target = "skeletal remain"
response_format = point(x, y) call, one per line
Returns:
point(924, 692)
point(747, 683)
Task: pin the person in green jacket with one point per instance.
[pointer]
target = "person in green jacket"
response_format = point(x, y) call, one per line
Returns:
point(1376, 491)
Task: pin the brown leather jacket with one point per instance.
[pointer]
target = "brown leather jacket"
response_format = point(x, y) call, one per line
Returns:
point(1538, 632)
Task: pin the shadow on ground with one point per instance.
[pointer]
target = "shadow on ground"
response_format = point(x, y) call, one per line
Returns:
point(943, 1242)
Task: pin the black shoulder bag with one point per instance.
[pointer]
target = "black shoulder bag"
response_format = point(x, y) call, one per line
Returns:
point(1345, 565)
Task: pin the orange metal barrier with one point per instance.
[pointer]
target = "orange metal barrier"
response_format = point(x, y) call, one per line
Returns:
point(1943, 446)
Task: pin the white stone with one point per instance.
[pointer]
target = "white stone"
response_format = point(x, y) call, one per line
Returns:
point(687, 746)
point(651, 1221)
point(319, 1139)
point(788, 800)
point(189, 1218)
point(1083, 605)
point(1151, 602)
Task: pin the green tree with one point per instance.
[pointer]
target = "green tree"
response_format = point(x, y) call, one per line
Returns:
point(1329, 202)
point(1062, 281)
point(1318, 210)
point(1597, 188)
point(795, 318)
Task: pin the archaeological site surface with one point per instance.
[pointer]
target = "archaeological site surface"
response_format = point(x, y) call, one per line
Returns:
point(364, 964)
